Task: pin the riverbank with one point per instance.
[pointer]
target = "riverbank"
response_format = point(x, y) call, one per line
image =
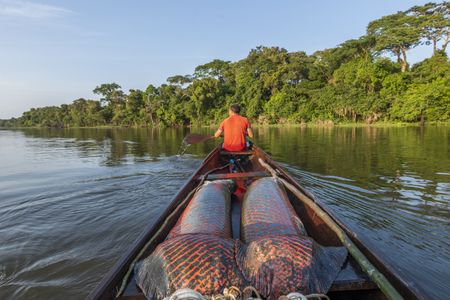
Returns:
point(293, 125)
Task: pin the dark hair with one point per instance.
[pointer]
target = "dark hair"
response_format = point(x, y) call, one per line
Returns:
point(235, 108)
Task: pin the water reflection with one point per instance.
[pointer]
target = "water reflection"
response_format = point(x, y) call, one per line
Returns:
point(401, 164)
point(72, 200)
point(115, 146)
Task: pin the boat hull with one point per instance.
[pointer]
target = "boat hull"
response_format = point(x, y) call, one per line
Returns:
point(351, 282)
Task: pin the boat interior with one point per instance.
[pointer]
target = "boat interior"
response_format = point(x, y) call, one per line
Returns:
point(243, 168)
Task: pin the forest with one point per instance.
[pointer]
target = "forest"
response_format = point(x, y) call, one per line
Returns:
point(364, 80)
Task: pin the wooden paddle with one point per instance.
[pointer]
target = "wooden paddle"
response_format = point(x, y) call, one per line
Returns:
point(195, 138)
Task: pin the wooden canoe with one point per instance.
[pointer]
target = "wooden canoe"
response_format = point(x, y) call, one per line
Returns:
point(351, 282)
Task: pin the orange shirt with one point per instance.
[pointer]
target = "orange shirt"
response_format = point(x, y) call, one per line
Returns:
point(234, 131)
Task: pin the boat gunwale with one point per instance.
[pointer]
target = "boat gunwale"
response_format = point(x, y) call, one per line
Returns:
point(407, 289)
point(110, 281)
point(108, 286)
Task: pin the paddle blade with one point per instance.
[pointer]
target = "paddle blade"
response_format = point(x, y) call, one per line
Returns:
point(196, 138)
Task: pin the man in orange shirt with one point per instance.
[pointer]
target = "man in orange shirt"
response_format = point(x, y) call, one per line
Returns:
point(235, 128)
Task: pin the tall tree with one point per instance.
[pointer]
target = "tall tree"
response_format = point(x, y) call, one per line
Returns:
point(111, 92)
point(151, 103)
point(329, 60)
point(217, 69)
point(179, 80)
point(206, 96)
point(396, 33)
point(113, 97)
point(434, 20)
point(134, 104)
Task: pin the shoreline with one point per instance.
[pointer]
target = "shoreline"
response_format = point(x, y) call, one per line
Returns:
point(289, 125)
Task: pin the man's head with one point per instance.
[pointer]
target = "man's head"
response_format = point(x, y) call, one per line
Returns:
point(235, 109)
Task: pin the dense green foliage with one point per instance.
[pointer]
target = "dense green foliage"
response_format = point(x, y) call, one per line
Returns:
point(354, 82)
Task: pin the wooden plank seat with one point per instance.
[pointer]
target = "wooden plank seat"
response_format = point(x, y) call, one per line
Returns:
point(352, 278)
point(229, 153)
point(235, 175)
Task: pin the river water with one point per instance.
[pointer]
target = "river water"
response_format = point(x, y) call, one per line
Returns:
point(72, 200)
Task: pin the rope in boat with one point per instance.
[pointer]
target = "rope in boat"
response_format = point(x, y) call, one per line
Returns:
point(381, 281)
point(251, 289)
point(234, 293)
point(300, 296)
point(144, 249)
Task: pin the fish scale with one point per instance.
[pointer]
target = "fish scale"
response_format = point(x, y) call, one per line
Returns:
point(207, 265)
point(279, 258)
point(213, 218)
point(266, 211)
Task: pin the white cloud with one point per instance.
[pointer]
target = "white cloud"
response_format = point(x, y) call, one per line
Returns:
point(27, 9)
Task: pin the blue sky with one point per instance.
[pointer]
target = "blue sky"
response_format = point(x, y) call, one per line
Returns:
point(52, 52)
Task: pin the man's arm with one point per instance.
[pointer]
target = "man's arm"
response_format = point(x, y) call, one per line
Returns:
point(250, 132)
point(218, 133)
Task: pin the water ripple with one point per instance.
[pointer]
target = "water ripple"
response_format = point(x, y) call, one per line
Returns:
point(379, 220)
point(72, 201)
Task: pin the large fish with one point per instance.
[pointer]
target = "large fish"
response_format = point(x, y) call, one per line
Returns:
point(204, 263)
point(198, 253)
point(279, 258)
